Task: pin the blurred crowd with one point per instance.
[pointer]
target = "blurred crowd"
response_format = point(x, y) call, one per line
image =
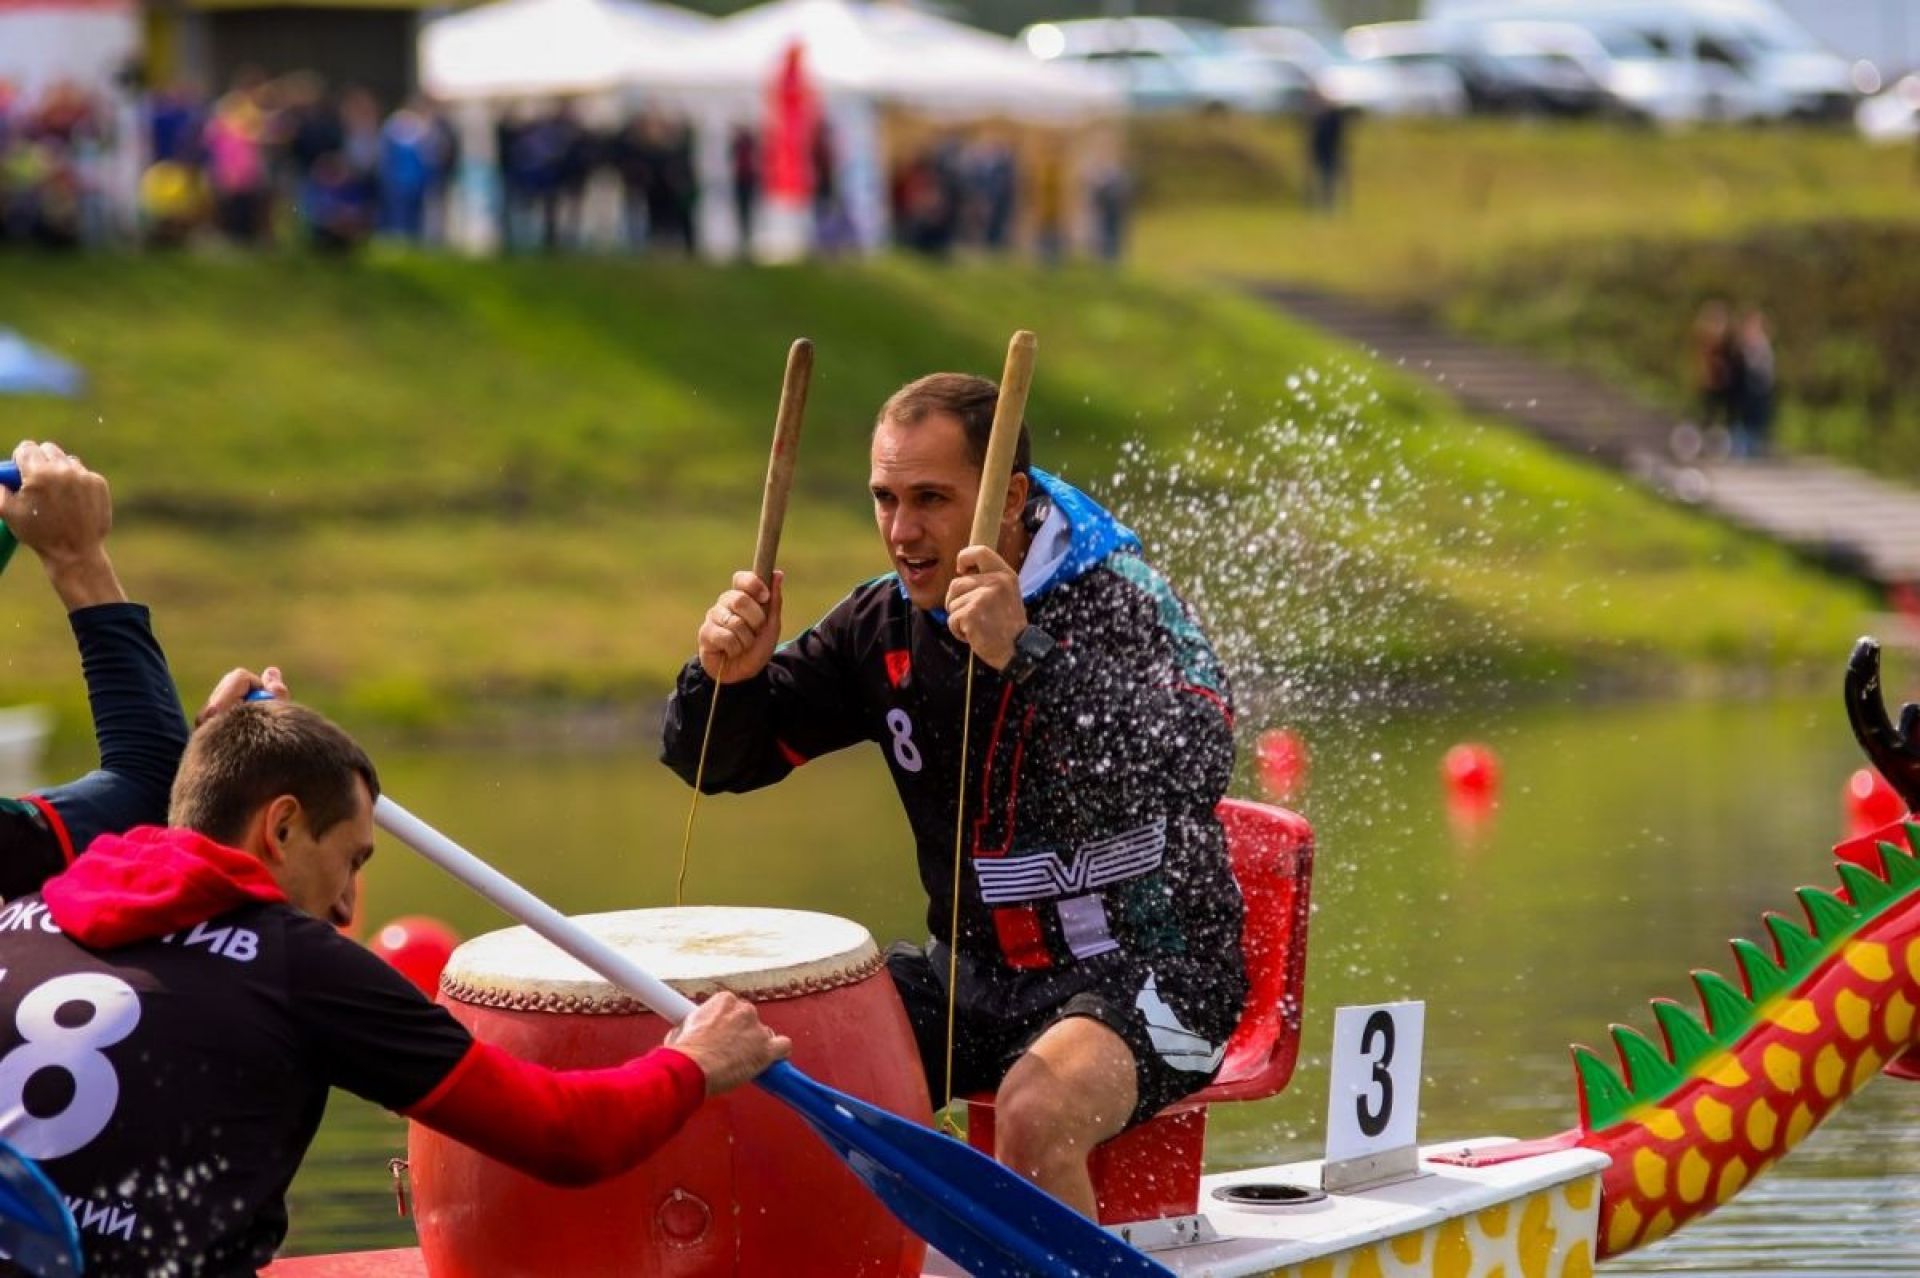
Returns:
point(288, 160)
point(264, 160)
point(53, 153)
point(961, 193)
point(548, 158)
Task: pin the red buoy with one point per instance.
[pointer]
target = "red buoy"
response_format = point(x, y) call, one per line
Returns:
point(418, 948)
point(1472, 770)
point(1282, 759)
point(1871, 803)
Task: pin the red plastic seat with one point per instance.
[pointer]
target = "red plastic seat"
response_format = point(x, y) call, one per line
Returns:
point(1153, 1170)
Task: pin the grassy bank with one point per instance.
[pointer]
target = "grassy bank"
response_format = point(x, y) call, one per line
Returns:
point(1592, 244)
point(1839, 297)
point(441, 492)
point(1432, 200)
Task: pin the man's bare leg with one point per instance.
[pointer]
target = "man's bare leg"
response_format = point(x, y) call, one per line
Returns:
point(1074, 1088)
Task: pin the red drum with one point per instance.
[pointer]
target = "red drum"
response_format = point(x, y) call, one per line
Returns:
point(745, 1188)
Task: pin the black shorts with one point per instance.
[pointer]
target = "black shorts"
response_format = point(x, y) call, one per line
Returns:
point(1176, 1025)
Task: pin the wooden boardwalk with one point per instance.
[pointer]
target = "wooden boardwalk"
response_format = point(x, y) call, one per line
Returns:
point(1847, 520)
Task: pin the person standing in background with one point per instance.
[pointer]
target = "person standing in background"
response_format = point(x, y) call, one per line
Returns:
point(743, 159)
point(1712, 364)
point(1752, 385)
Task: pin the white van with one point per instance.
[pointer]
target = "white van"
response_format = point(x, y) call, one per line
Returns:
point(1373, 88)
point(1682, 60)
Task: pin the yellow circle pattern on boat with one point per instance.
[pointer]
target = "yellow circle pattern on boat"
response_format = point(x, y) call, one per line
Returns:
point(1829, 1071)
point(1799, 1125)
point(1794, 1014)
point(1854, 1013)
point(1664, 1124)
point(1897, 1020)
point(1692, 1179)
point(1733, 1179)
point(1869, 958)
point(1649, 1173)
point(1452, 1253)
point(1536, 1238)
point(1728, 1072)
point(1546, 1233)
point(1783, 1067)
point(1714, 1120)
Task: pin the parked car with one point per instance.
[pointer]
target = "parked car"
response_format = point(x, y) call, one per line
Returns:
point(1373, 88)
point(1819, 83)
point(1538, 68)
point(1416, 54)
point(1170, 64)
point(1683, 60)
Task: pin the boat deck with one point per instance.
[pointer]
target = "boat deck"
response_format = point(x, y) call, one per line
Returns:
point(1459, 1212)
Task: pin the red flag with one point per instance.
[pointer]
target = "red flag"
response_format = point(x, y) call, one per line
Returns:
point(793, 117)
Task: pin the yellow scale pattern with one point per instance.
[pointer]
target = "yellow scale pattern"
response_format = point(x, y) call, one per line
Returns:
point(1547, 1234)
point(1741, 1111)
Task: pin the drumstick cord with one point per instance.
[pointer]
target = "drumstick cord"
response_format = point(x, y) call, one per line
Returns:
point(959, 842)
point(699, 775)
point(953, 935)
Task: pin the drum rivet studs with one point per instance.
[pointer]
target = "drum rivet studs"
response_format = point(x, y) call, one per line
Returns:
point(683, 1218)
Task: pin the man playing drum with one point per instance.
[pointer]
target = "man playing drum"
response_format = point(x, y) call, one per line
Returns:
point(1099, 967)
point(175, 1006)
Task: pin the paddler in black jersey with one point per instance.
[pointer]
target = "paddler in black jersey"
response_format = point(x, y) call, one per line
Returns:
point(176, 1005)
point(1099, 971)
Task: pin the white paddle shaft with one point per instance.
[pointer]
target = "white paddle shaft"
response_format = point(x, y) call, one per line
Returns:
point(529, 909)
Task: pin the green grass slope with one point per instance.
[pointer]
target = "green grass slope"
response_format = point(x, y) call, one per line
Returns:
point(442, 492)
point(1431, 199)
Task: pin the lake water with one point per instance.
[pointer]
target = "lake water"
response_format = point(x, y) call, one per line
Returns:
point(1630, 842)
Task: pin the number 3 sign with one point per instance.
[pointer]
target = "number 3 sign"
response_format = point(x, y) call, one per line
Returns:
point(1373, 1101)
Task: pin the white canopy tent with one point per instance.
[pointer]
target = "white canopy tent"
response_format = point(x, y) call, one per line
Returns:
point(46, 42)
point(886, 52)
point(544, 48)
point(862, 58)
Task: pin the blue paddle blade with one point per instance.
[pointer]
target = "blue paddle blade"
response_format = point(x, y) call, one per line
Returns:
point(9, 476)
point(36, 1229)
point(983, 1217)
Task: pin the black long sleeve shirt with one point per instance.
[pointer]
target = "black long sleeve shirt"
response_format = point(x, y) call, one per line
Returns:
point(140, 730)
point(1091, 787)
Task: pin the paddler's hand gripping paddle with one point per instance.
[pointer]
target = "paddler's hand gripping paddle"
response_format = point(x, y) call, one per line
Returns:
point(10, 478)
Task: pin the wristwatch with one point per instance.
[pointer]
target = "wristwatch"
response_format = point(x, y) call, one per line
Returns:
point(1031, 647)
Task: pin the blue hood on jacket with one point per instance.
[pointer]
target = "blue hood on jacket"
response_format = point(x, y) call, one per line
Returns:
point(1094, 535)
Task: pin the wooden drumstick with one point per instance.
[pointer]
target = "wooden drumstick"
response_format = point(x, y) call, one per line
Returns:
point(780, 461)
point(1008, 412)
point(773, 516)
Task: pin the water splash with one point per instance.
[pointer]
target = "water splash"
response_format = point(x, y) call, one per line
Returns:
point(1314, 545)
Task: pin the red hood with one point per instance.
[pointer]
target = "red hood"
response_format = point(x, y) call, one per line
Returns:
point(151, 882)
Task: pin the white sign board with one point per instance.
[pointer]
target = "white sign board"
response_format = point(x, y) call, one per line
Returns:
point(1373, 1101)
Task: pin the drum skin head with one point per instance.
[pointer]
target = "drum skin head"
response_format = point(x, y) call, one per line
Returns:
point(759, 954)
